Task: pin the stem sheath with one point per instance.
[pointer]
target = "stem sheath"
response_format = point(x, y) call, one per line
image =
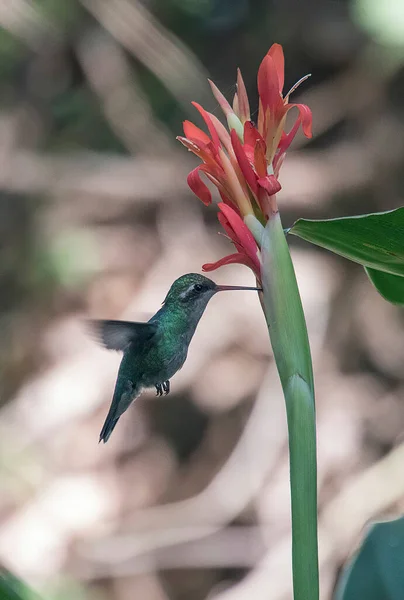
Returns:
point(290, 344)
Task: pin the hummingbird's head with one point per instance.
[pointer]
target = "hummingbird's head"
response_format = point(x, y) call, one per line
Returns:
point(196, 290)
point(191, 289)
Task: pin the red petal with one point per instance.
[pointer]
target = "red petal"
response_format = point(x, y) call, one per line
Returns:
point(270, 184)
point(235, 104)
point(305, 116)
point(260, 161)
point(229, 232)
point(268, 85)
point(243, 104)
point(251, 135)
point(226, 226)
point(204, 152)
point(231, 259)
point(276, 53)
point(217, 177)
point(229, 202)
point(222, 132)
point(208, 121)
point(224, 105)
point(242, 233)
point(261, 118)
point(278, 162)
point(199, 188)
point(241, 230)
point(192, 131)
point(243, 162)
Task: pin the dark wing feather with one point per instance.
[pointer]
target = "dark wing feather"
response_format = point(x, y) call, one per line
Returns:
point(117, 335)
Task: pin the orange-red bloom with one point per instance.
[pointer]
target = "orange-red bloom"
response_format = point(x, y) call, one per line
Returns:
point(241, 237)
point(244, 164)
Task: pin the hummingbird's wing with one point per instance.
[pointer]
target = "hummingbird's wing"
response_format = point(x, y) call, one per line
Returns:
point(117, 335)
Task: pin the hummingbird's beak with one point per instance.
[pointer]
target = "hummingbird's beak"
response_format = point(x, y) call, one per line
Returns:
point(226, 288)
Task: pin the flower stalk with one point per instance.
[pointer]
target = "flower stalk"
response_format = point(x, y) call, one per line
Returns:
point(288, 333)
point(244, 164)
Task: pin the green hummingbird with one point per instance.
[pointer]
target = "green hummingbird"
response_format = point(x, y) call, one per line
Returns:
point(154, 351)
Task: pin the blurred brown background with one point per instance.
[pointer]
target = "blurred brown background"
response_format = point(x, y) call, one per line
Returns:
point(190, 498)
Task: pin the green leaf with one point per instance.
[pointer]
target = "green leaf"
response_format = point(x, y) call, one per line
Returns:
point(377, 571)
point(391, 287)
point(375, 240)
point(12, 588)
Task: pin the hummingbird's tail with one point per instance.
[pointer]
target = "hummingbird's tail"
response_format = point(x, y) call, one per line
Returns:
point(125, 392)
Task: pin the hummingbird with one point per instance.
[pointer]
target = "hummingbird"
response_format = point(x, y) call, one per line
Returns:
point(154, 351)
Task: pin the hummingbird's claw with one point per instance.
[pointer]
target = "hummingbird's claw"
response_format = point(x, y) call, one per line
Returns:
point(159, 389)
point(163, 387)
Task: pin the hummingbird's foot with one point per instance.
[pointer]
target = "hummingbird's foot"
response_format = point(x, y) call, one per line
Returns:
point(159, 389)
point(166, 387)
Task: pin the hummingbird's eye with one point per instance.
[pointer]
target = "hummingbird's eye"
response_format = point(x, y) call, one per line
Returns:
point(198, 287)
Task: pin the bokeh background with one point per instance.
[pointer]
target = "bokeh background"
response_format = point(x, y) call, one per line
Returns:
point(189, 500)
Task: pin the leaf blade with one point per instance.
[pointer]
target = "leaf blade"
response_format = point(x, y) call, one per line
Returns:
point(376, 572)
point(391, 287)
point(374, 240)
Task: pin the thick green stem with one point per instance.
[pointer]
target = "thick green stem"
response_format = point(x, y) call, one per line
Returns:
point(303, 484)
point(288, 333)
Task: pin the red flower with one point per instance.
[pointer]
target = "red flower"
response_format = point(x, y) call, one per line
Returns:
point(238, 232)
point(244, 165)
point(273, 108)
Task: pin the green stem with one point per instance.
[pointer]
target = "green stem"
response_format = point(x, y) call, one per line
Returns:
point(290, 344)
